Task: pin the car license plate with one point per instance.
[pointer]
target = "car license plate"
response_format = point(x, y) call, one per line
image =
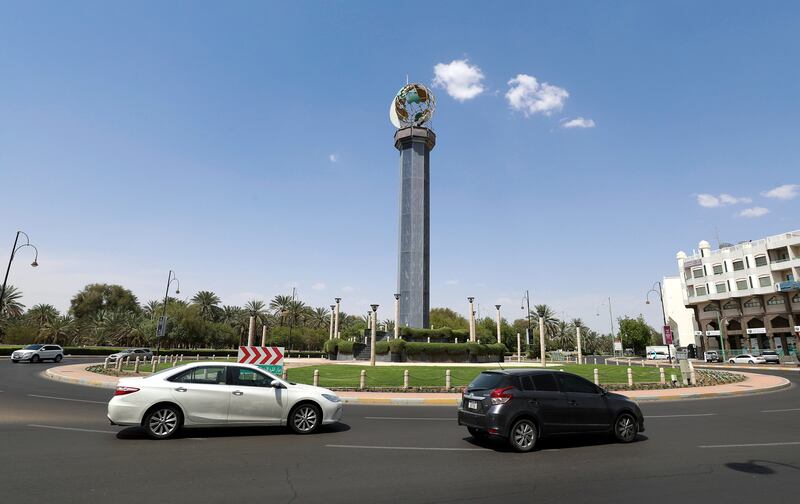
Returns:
point(472, 405)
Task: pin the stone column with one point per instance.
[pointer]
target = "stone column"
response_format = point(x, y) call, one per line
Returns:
point(336, 317)
point(413, 269)
point(330, 331)
point(373, 338)
point(397, 316)
point(251, 332)
point(471, 319)
point(498, 322)
point(542, 336)
point(578, 338)
point(264, 335)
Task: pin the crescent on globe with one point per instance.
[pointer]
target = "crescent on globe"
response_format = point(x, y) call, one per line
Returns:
point(413, 105)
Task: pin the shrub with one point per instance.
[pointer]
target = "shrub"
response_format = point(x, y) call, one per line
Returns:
point(397, 345)
point(339, 345)
point(382, 347)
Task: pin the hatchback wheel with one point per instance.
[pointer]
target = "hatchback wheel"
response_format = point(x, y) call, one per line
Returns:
point(58, 358)
point(35, 359)
point(163, 422)
point(523, 435)
point(625, 428)
point(305, 418)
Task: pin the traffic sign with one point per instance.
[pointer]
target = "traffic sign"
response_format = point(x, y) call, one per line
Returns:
point(267, 358)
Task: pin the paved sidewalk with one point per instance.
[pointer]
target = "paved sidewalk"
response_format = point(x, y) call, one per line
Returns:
point(753, 383)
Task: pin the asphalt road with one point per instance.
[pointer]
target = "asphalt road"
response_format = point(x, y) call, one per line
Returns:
point(57, 446)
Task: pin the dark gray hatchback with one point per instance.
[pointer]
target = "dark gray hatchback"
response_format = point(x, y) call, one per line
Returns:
point(522, 405)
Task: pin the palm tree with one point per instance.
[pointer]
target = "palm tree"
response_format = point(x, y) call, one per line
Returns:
point(208, 303)
point(12, 308)
point(280, 305)
point(151, 308)
point(41, 314)
point(550, 321)
point(320, 317)
point(256, 308)
point(58, 330)
point(563, 337)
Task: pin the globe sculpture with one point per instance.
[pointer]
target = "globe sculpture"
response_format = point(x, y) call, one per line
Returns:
point(412, 106)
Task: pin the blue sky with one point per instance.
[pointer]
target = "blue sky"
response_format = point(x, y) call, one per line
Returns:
point(246, 145)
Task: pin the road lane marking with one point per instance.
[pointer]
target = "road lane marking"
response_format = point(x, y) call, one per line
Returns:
point(417, 448)
point(788, 443)
point(408, 418)
point(67, 399)
point(55, 427)
point(678, 416)
point(779, 410)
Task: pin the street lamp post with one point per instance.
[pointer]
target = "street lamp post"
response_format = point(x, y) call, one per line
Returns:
point(330, 332)
point(373, 334)
point(471, 318)
point(498, 322)
point(610, 321)
point(663, 314)
point(14, 250)
point(397, 316)
point(162, 324)
point(336, 318)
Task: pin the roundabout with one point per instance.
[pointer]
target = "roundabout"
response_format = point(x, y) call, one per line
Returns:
point(692, 449)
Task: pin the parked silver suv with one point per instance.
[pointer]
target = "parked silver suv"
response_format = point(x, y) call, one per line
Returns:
point(38, 353)
point(144, 354)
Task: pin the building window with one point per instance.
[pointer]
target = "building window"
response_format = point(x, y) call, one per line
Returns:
point(690, 291)
point(765, 281)
point(700, 290)
point(711, 307)
point(741, 284)
point(698, 272)
point(796, 299)
point(730, 305)
point(752, 303)
point(717, 269)
point(761, 260)
point(721, 288)
point(775, 300)
point(687, 274)
point(738, 265)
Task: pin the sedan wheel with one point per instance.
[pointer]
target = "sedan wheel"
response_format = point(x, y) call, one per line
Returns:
point(523, 435)
point(163, 422)
point(305, 419)
point(625, 428)
point(58, 358)
point(35, 359)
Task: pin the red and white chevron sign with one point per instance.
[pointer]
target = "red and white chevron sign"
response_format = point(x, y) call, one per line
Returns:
point(261, 355)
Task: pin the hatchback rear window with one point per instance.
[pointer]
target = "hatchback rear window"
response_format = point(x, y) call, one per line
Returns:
point(487, 381)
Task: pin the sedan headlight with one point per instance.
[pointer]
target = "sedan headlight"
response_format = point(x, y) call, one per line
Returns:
point(331, 397)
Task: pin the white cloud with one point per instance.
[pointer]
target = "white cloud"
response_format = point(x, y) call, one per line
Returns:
point(711, 201)
point(333, 158)
point(461, 80)
point(318, 286)
point(784, 192)
point(578, 122)
point(754, 212)
point(530, 97)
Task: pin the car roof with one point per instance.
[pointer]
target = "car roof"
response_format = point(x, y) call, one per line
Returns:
point(518, 371)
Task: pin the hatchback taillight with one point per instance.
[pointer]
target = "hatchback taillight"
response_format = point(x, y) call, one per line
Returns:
point(501, 395)
point(125, 390)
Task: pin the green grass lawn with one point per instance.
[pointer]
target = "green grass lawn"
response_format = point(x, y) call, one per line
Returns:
point(334, 375)
point(344, 375)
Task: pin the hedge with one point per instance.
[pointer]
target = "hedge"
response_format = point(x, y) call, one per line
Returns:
point(443, 333)
point(338, 345)
point(205, 352)
point(454, 348)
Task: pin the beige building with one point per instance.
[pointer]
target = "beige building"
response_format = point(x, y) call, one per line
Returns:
point(745, 297)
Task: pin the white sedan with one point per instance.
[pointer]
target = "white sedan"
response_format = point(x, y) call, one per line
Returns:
point(747, 359)
point(220, 395)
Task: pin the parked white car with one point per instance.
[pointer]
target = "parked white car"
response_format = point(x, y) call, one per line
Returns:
point(38, 353)
point(144, 354)
point(220, 395)
point(747, 359)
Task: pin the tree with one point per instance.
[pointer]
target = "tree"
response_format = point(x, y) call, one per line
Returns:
point(280, 304)
point(95, 298)
point(445, 317)
point(58, 330)
point(41, 314)
point(257, 309)
point(12, 308)
point(151, 308)
point(320, 317)
point(635, 333)
point(208, 304)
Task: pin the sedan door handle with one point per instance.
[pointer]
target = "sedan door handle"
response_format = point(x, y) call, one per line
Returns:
point(533, 401)
point(573, 403)
point(181, 389)
point(238, 392)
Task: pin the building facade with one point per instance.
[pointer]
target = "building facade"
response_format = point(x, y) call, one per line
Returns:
point(679, 317)
point(745, 297)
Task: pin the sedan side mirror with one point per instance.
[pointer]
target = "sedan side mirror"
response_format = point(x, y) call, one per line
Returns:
point(276, 384)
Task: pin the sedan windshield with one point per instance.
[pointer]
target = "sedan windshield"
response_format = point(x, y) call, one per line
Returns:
point(33, 347)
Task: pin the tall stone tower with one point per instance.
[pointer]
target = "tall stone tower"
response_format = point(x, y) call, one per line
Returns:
point(410, 112)
point(413, 259)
